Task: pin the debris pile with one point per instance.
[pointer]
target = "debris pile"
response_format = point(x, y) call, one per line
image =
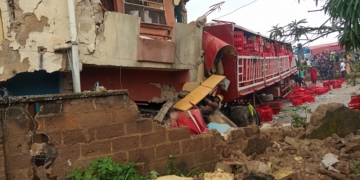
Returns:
point(287, 153)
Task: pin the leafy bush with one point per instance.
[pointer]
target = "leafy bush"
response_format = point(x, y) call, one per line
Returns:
point(105, 168)
point(300, 121)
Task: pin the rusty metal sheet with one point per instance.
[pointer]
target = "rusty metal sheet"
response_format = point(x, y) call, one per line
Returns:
point(199, 93)
point(212, 45)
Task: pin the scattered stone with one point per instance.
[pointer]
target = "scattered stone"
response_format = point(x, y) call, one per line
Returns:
point(329, 160)
point(292, 142)
point(218, 175)
point(224, 167)
point(284, 174)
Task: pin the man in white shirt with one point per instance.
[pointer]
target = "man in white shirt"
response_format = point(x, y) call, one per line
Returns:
point(342, 69)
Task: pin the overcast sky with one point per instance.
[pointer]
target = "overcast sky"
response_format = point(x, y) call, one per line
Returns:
point(261, 15)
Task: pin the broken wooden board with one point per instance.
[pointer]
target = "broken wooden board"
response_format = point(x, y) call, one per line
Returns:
point(199, 93)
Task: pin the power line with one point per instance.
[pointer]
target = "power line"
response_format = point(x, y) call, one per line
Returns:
point(236, 9)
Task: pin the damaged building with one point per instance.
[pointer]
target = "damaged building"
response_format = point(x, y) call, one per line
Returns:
point(146, 47)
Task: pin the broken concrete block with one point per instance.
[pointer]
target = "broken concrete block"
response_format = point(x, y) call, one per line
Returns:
point(257, 167)
point(292, 142)
point(329, 160)
point(164, 109)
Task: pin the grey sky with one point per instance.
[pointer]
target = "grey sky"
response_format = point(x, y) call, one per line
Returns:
point(262, 14)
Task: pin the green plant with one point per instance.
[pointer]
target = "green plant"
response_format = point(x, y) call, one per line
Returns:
point(154, 175)
point(298, 121)
point(105, 168)
point(355, 168)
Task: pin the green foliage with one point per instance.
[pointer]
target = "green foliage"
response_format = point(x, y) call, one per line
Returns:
point(154, 175)
point(298, 121)
point(170, 167)
point(105, 168)
point(355, 170)
point(344, 20)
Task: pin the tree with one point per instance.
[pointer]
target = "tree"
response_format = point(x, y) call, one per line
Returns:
point(344, 19)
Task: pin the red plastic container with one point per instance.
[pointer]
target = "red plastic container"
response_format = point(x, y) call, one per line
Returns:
point(310, 91)
point(309, 99)
point(266, 114)
point(321, 91)
point(297, 102)
point(342, 80)
point(355, 105)
point(275, 106)
point(336, 85)
point(355, 98)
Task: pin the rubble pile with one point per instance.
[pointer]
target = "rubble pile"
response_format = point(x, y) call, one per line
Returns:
point(287, 153)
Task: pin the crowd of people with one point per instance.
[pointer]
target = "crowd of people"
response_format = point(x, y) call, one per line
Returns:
point(324, 64)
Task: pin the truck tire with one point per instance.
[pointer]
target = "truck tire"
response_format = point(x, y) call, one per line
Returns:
point(267, 98)
point(240, 115)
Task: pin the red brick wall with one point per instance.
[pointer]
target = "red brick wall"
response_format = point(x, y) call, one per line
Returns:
point(89, 128)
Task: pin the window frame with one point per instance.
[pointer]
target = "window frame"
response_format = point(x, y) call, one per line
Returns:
point(163, 11)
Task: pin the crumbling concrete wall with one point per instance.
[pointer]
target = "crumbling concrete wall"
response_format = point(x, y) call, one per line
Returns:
point(27, 27)
point(84, 127)
point(117, 46)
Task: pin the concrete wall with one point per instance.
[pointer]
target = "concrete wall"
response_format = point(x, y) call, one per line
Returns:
point(87, 126)
point(118, 46)
point(28, 25)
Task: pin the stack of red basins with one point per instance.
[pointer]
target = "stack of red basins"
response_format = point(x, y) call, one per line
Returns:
point(355, 102)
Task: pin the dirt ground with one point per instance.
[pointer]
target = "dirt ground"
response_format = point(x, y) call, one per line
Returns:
point(342, 95)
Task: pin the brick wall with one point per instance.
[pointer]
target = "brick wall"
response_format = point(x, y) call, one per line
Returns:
point(87, 127)
point(2, 159)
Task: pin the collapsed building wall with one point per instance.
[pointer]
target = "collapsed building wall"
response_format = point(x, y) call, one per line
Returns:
point(69, 131)
point(32, 29)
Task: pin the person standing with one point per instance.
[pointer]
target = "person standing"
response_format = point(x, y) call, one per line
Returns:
point(342, 69)
point(313, 75)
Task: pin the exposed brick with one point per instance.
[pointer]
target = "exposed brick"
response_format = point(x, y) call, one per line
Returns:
point(183, 161)
point(78, 105)
point(72, 137)
point(141, 168)
point(194, 144)
point(69, 152)
point(50, 107)
point(142, 155)
point(209, 142)
point(58, 122)
point(55, 138)
point(95, 148)
point(157, 127)
point(205, 156)
point(159, 165)
point(167, 149)
point(153, 139)
point(119, 157)
point(125, 115)
point(125, 143)
point(108, 131)
point(110, 102)
point(139, 126)
point(178, 134)
point(92, 119)
point(19, 161)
